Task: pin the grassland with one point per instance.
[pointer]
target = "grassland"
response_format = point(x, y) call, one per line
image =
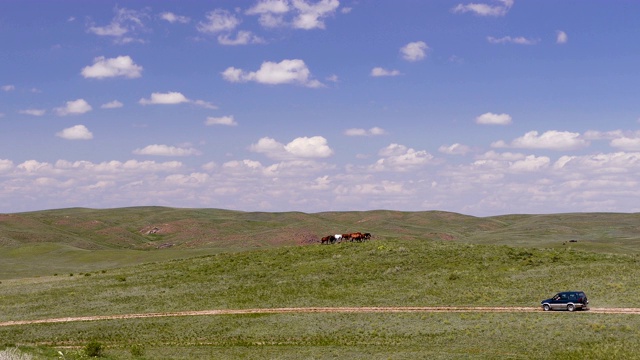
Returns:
point(453, 262)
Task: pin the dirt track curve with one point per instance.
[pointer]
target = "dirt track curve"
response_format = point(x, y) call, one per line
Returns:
point(429, 309)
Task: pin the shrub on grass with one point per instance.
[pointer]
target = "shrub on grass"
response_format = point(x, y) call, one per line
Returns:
point(137, 350)
point(93, 349)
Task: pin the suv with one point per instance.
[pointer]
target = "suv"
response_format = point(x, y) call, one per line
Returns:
point(569, 300)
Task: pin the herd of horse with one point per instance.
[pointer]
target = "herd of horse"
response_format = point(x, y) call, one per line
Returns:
point(356, 236)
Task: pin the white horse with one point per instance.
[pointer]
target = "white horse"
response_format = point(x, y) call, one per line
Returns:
point(338, 237)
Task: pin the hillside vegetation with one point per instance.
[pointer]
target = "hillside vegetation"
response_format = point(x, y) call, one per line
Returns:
point(83, 262)
point(78, 239)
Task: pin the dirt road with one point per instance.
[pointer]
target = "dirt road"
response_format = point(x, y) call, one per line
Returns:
point(429, 309)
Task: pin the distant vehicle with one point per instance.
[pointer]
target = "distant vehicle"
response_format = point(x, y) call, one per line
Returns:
point(566, 300)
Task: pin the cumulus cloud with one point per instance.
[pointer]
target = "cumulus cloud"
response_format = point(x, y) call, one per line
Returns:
point(75, 107)
point(414, 51)
point(302, 147)
point(107, 68)
point(224, 120)
point(493, 119)
point(112, 105)
point(396, 157)
point(378, 71)
point(285, 72)
point(78, 132)
point(626, 143)
point(501, 8)
point(217, 21)
point(172, 98)
point(165, 150)
point(173, 18)
point(33, 112)
point(550, 140)
point(519, 40)
point(169, 98)
point(455, 149)
point(364, 132)
point(8, 88)
point(242, 38)
point(561, 37)
point(304, 15)
point(311, 16)
point(124, 27)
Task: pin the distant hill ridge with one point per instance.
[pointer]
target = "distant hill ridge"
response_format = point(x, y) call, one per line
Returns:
point(163, 227)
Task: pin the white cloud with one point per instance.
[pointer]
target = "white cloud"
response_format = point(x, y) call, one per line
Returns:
point(269, 6)
point(397, 157)
point(125, 22)
point(75, 107)
point(520, 40)
point(455, 149)
point(561, 37)
point(378, 71)
point(204, 104)
point(414, 51)
point(77, 132)
point(224, 120)
point(363, 132)
point(480, 9)
point(168, 98)
point(165, 150)
point(5, 165)
point(217, 21)
point(302, 147)
point(106, 68)
point(550, 140)
point(285, 72)
point(8, 88)
point(309, 147)
point(112, 105)
point(242, 38)
point(305, 15)
point(310, 16)
point(626, 143)
point(173, 18)
point(33, 112)
point(530, 163)
point(493, 119)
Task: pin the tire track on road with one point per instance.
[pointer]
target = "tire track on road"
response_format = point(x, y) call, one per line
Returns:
point(378, 309)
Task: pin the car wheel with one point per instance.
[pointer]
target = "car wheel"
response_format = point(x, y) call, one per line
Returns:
point(571, 307)
point(546, 307)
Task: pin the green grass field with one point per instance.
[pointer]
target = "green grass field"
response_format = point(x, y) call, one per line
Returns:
point(454, 262)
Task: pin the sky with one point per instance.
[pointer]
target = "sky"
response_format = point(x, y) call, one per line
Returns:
point(482, 107)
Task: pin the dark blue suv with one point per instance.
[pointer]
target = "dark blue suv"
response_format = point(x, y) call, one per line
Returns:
point(566, 300)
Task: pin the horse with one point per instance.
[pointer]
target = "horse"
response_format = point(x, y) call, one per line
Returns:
point(328, 239)
point(367, 236)
point(338, 237)
point(357, 236)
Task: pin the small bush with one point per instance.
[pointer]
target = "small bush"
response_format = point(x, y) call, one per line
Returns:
point(93, 349)
point(137, 350)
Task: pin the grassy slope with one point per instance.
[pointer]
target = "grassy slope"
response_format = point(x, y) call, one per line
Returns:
point(390, 272)
point(84, 240)
point(419, 259)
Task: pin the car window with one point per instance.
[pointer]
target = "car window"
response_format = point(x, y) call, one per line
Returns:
point(572, 297)
point(563, 296)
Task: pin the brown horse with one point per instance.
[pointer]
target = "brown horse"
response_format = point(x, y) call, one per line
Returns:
point(357, 236)
point(328, 239)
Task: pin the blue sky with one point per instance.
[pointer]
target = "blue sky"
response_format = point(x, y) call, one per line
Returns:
point(480, 107)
